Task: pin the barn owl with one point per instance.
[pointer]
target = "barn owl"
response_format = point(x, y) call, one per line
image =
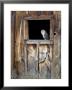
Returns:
point(44, 34)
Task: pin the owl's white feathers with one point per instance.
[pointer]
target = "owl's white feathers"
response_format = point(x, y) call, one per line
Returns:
point(44, 34)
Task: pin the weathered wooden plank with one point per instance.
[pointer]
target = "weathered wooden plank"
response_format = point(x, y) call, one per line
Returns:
point(25, 56)
point(51, 29)
point(44, 62)
point(39, 42)
point(44, 17)
point(32, 61)
point(26, 31)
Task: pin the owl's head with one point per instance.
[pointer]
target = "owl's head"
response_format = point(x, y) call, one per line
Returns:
point(43, 32)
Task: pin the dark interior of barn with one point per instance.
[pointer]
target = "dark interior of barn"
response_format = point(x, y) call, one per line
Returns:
point(35, 27)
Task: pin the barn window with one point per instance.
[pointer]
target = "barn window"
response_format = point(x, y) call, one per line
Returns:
point(35, 27)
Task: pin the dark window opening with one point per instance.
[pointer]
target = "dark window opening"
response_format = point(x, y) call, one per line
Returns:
point(35, 27)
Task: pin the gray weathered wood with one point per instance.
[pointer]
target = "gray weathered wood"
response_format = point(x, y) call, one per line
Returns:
point(39, 42)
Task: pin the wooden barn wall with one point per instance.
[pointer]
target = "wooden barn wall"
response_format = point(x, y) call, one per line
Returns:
point(56, 63)
point(19, 64)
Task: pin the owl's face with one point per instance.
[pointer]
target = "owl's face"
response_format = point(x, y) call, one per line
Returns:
point(43, 32)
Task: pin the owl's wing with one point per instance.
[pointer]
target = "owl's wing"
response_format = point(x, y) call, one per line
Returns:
point(46, 36)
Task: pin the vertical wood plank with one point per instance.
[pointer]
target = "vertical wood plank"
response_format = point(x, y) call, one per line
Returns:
point(26, 30)
point(51, 29)
point(38, 60)
point(51, 52)
point(25, 54)
point(38, 55)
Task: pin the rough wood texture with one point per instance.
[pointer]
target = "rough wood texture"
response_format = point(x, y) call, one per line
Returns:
point(26, 32)
point(39, 42)
point(44, 62)
point(56, 63)
point(28, 63)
